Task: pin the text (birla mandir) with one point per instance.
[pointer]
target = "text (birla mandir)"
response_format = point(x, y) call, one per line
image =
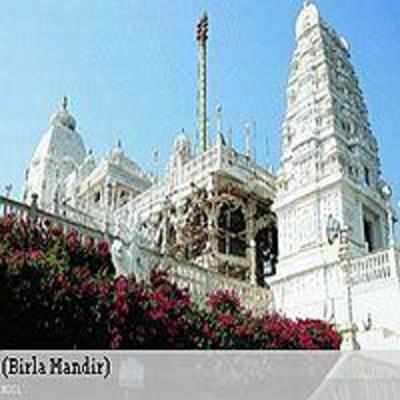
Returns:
point(87, 365)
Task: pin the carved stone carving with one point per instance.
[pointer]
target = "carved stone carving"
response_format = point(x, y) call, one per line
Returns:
point(131, 254)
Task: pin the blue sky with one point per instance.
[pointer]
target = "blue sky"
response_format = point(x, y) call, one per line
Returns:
point(129, 69)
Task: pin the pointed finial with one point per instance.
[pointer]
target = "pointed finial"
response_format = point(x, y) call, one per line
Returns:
point(8, 189)
point(247, 130)
point(119, 144)
point(220, 135)
point(65, 103)
point(307, 3)
point(218, 109)
point(202, 28)
point(230, 137)
point(156, 155)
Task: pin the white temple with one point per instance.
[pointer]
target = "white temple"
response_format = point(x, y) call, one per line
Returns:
point(319, 234)
point(73, 183)
point(330, 177)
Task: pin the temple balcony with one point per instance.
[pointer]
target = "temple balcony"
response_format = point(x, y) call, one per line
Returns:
point(221, 161)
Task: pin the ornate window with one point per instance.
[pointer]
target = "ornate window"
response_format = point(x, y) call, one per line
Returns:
point(231, 224)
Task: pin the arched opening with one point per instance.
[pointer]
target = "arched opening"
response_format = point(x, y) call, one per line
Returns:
point(232, 230)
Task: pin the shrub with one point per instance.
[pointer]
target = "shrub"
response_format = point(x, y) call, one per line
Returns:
point(57, 291)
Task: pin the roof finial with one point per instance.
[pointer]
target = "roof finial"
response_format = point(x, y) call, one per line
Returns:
point(247, 132)
point(65, 103)
point(202, 28)
point(218, 110)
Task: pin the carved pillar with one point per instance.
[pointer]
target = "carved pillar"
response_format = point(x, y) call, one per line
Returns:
point(108, 195)
point(57, 201)
point(106, 202)
point(211, 227)
point(164, 231)
point(114, 196)
point(350, 331)
point(104, 196)
point(361, 215)
point(391, 241)
point(88, 192)
point(212, 222)
point(251, 240)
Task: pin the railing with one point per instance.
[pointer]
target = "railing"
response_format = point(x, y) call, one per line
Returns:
point(378, 266)
point(23, 211)
point(201, 281)
point(95, 219)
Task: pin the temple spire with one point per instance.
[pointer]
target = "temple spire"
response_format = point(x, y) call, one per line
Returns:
point(64, 103)
point(247, 132)
point(218, 110)
point(202, 37)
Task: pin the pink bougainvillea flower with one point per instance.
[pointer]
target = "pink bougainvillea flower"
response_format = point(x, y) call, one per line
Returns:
point(104, 249)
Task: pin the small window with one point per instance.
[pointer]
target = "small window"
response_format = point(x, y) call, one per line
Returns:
point(97, 197)
point(367, 176)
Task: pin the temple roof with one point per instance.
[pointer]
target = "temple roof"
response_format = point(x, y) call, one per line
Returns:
point(308, 17)
point(61, 140)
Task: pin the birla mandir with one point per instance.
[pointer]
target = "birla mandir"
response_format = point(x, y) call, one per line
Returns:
point(313, 239)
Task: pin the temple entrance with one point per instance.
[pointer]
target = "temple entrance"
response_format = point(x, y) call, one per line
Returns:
point(373, 237)
point(369, 235)
point(266, 254)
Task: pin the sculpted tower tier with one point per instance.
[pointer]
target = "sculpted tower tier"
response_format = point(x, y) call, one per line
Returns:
point(329, 163)
point(330, 171)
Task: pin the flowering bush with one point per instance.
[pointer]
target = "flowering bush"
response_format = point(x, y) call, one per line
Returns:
point(57, 291)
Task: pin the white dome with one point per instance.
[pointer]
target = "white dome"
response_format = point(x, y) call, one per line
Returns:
point(308, 17)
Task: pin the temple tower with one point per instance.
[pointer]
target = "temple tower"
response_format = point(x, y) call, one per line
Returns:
point(329, 160)
point(60, 152)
